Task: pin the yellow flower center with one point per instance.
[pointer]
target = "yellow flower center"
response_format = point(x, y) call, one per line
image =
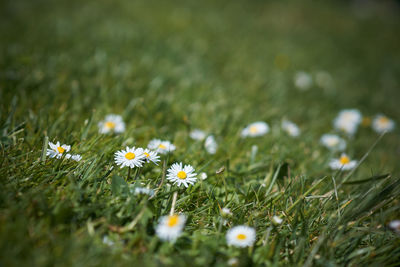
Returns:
point(60, 149)
point(162, 146)
point(182, 175)
point(253, 129)
point(241, 236)
point(172, 220)
point(383, 120)
point(110, 125)
point(146, 154)
point(344, 160)
point(129, 155)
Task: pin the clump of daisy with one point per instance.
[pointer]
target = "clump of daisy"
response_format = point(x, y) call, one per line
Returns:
point(170, 227)
point(160, 146)
point(395, 226)
point(291, 128)
point(181, 175)
point(57, 150)
point(241, 236)
point(381, 124)
point(130, 157)
point(151, 156)
point(255, 129)
point(303, 80)
point(348, 121)
point(211, 145)
point(112, 123)
point(333, 142)
point(343, 163)
point(197, 134)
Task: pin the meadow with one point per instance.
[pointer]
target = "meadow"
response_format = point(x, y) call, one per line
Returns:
point(182, 71)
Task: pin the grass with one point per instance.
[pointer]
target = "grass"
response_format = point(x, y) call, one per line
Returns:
point(168, 67)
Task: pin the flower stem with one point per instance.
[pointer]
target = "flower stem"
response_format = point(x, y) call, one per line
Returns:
point(174, 197)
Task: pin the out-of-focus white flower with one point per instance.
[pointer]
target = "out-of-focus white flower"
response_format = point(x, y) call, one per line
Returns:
point(226, 212)
point(181, 175)
point(143, 191)
point(381, 124)
point(197, 134)
point(254, 129)
point(241, 236)
point(291, 128)
point(211, 144)
point(395, 226)
point(75, 157)
point(343, 163)
point(107, 241)
point(333, 142)
point(112, 124)
point(160, 146)
point(233, 262)
point(276, 220)
point(303, 80)
point(348, 121)
point(170, 227)
point(203, 175)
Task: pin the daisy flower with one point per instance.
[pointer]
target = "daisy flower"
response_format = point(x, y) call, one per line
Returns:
point(211, 145)
point(112, 124)
point(57, 150)
point(226, 212)
point(381, 124)
point(107, 241)
point(151, 156)
point(291, 128)
point(75, 157)
point(241, 236)
point(302, 80)
point(233, 262)
point(162, 147)
point(277, 220)
point(343, 163)
point(333, 142)
point(130, 157)
point(197, 134)
point(170, 227)
point(348, 121)
point(395, 226)
point(143, 191)
point(181, 175)
point(254, 129)
point(203, 175)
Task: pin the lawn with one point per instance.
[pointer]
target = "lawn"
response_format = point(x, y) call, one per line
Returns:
point(168, 68)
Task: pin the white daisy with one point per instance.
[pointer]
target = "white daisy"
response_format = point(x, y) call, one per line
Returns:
point(226, 212)
point(381, 124)
point(291, 128)
point(277, 220)
point(254, 129)
point(57, 150)
point(333, 142)
point(303, 80)
point(130, 157)
point(233, 262)
point(181, 175)
point(112, 124)
point(348, 121)
point(75, 157)
point(162, 147)
point(211, 144)
point(107, 241)
point(343, 163)
point(395, 226)
point(143, 191)
point(170, 227)
point(203, 175)
point(197, 134)
point(241, 236)
point(151, 156)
